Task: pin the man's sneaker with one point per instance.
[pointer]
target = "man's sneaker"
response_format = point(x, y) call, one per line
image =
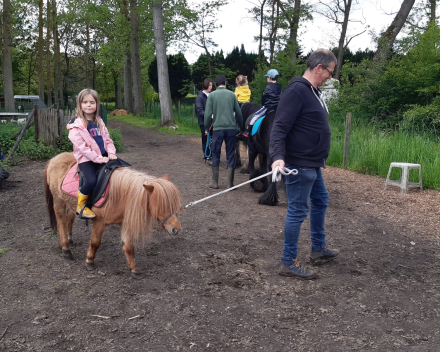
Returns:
point(295, 269)
point(324, 255)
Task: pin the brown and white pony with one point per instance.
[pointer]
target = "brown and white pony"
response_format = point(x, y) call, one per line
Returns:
point(135, 201)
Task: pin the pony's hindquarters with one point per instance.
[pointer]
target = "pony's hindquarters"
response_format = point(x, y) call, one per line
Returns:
point(49, 201)
point(60, 214)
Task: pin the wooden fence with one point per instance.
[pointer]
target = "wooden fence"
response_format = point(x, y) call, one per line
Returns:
point(50, 124)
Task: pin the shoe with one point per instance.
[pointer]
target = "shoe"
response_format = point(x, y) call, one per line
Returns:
point(323, 255)
point(294, 269)
point(214, 182)
point(246, 135)
point(87, 213)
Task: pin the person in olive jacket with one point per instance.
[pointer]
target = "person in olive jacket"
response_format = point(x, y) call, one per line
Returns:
point(200, 107)
point(223, 111)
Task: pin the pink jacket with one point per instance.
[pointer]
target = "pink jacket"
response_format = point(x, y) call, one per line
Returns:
point(84, 146)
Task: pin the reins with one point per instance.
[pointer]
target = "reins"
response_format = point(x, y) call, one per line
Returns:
point(276, 177)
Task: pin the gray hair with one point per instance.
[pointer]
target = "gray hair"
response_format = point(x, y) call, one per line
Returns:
point(321, 56)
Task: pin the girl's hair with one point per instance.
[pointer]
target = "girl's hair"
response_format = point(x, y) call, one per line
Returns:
point(79, 113)
point(241, 80)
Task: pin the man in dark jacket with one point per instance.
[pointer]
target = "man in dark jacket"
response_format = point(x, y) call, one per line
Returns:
point(200, 106)
point(300, 139)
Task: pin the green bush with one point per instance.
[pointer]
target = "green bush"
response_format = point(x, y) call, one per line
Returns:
point(29, 148)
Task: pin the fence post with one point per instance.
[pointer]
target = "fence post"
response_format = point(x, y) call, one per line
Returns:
point(194, 108)
point(347, 139)
point(36, 122)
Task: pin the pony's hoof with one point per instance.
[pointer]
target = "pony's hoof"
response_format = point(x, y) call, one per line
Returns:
point(70, 240)
point(136, 275)
point(67, 254)
point(90, 266)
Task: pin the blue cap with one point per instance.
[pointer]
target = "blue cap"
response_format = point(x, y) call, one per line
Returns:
point(272, 73)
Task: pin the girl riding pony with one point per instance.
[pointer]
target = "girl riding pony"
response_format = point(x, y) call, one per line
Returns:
point(92, 145)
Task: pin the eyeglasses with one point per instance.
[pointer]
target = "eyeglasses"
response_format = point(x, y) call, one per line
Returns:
point(330, 72)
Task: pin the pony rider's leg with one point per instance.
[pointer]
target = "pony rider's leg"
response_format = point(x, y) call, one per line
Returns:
point(62, 224)
point(128, 248)
point(98, 228)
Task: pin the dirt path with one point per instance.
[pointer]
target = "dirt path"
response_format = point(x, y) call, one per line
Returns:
point(215, 287)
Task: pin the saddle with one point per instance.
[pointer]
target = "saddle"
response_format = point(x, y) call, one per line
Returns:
point(74, 180)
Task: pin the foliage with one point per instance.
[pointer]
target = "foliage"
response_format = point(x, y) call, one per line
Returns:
point(372, 149)
point(240, 61)
point(179, 73)
point(29, 148)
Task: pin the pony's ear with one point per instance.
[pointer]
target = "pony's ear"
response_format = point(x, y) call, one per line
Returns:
point(167, 177)
point(149, 188)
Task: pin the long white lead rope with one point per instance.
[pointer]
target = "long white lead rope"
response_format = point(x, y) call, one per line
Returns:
point(276, 177)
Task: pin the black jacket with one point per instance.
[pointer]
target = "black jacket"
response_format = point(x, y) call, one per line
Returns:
point(200, 107)
point(271, 95)
point(301, 133)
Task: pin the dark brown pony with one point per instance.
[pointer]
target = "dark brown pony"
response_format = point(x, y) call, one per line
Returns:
point(135, 201)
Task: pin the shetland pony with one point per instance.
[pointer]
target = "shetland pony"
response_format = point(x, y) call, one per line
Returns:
point(135, 201)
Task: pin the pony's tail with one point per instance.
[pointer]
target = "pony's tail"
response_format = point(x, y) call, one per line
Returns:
point(49, 202)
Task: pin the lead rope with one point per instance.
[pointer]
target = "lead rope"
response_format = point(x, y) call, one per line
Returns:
point(276, 177)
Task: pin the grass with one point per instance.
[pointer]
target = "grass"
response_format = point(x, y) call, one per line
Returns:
point(151, 119)
point(3, 250)
point(372, 151)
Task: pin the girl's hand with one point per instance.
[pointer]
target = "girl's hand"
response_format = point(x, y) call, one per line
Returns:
point(105, 160)
point(112, 156)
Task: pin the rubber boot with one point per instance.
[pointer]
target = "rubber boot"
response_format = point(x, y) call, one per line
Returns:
point(214, 182)
point(87, 213)
point(231, 172)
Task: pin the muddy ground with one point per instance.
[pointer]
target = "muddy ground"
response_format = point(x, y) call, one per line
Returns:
point(215, 287)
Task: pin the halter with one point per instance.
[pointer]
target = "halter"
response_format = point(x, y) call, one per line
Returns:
point(166, 219)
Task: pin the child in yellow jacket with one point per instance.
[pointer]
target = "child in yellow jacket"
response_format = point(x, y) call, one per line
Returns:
point(242, 91)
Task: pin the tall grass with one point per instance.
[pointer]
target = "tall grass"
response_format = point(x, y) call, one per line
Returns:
point(372, 150)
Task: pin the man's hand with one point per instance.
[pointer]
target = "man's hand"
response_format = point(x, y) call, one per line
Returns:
point(112, 157)
point(279, 163)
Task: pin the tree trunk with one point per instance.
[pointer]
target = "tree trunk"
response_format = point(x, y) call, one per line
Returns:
point(432, 17)
point(87, 56)
point(8, 85)
point(48, 68)
point(260, 45)
point(58, 82)
point(162, 65)
point(40, 51)
point(294, 31)
point(341, 47)
point(135, 59)
point(387, 40)
point(118, 92)
point(128, 83)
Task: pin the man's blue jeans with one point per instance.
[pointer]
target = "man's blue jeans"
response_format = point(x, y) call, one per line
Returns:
point(216, 146)
point(307, 185)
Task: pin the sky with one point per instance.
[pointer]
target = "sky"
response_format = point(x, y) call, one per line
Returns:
point(238, 28)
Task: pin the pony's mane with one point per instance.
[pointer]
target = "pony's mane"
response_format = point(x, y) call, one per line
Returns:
point(127, 187)
point(249, 108)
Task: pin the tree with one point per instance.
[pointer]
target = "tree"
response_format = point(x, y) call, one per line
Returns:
point(135, 59)
point(389, 36)
point(162, 66)
point(40, 51)
point(179, 70)
point(8, 86)
point(199, 26)
point(292, 16)
point(338, 11)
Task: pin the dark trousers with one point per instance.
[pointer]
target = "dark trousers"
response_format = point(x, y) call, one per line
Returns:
point(231, 142)
point(90, 171)
point(204, 138)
